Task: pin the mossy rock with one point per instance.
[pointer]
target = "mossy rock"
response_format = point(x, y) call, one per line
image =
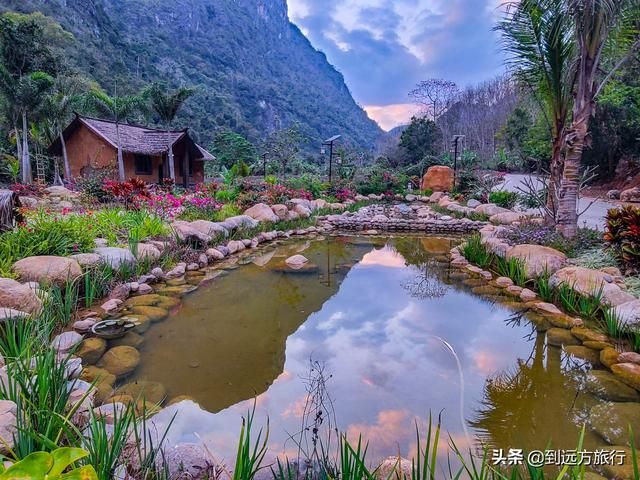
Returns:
point(629, 373)
point(175, 291)
point(606, 385)
point(131, 339)
point(583, 353)
point(146, 408)
point(154, 314)
point(560, 321)
point(486, 289)
point(540, 321)
point(143, 323)
point(597, 345)
point(561, 336)
point(100, 376)
point(103, 391)
point(612, 420)
point(153, 392)
point(150, 299)
point(120, 361)
point(620, 472)
point(474, 282)
point(194, 274)
point(195, 281)
point(174, 282)
point(168, 302)
point(117, 398)
point(91, 349)
point(609, 357)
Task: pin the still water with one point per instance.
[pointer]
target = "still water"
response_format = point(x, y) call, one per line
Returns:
point(382, 332)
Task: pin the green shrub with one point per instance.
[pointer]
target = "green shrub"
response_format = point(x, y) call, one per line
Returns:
point(504, 199)
point(587, 306)
point(544, 288)
point(226, 211)
point(514, 268)
point(475, 252)
point(623, 235)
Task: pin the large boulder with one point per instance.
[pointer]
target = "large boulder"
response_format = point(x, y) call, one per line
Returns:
point(629, 312)
point(146, 250)
point(438, 179)
point(537, 259)
point(629, 373)
point(189, 460)
point(8, 425)
point(60, 191)
point(115, 256)
point(587, 282)
point(47, 270)
point(262, 213)
point(87, 259)
point(19, 297)
point(209, 228)
point(506, 218)
point(190, 234)
point(280, 211)
point(630, 195)
point(239, 221)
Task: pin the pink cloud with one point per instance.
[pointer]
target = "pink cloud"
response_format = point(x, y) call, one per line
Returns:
point(390, 116)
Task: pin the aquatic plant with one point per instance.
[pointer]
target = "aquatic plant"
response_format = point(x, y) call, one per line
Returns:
point(250, 453)
point(587, 306)
point(50, 466)
point(544, 288)
point(513, 268)
point(476, 252)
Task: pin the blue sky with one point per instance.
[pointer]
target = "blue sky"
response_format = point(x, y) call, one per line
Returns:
point(384, 47)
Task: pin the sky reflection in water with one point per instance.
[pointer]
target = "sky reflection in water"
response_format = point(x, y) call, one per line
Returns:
point(376, 330)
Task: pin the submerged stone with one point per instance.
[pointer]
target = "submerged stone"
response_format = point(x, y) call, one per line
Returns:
point(629, 373)
point(605, 385)
point(583, 353)
point(612, 421)
point(120, 361)
point(561, 336)
point(142, 389)
point(154, 314)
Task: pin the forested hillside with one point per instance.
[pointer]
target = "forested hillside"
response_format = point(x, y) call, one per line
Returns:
point(254, 70)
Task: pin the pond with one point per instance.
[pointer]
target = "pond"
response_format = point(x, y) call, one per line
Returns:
point(383, 332)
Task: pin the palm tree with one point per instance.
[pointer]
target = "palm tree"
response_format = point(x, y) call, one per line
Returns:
point(26, 93)
point(58, 108)
point(117, 108)
point(599, 26)
point(537, 36)
point(166, 105)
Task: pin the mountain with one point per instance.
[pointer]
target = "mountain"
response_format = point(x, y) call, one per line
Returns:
point(389, 140)
point(254, 70)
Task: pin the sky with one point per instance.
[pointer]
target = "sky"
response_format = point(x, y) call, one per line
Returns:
point(385, 47)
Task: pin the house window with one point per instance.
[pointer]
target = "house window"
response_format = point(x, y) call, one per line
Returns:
point(143, 165)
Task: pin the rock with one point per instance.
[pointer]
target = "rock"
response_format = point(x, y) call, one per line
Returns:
point(261, 212)
point(235, 246)
point(490, 209)
point(583, 353)
point(281, 211)
point(189, 234)
point(609, 356)
point(29, 202)
point(527, 295)
point(548, 308)
point(93, 374)
point(612, 420)
point(47, 270)
point(561, 336)
point(211, 229)
point(630, 195)
point(629, 357)
point(214, 254)
point(296, 261)
point(11, 314)
point(157, 272)
point(65, 341)
point(91, 349)
point(629, 373)
point(436, 196)
point(147, 251)
point(120, 361)
point(537, 259)
point(153, 314)
point(437, 178)
point(616, 470)
point(153, 392)
point(473, 203)
point(177, 271)
point(110, 411)
point(302, 210)
point(131, 339)
point(394, 468)
point(115, 256)
point(87, 259)
point(17, 296)
point(8, 425)
point(111, 306)
point(613, 194)
point(587, 281)
point(628, 312)
point(59, 191)
point(514, 290)
point(121, 291)
point(584, 334)
point(605, 385)
point(144, 289)
point(239, 221)
point(83, 326)
point(101, 242)
point(189, 460)
point(506, 218)
point(318, 204)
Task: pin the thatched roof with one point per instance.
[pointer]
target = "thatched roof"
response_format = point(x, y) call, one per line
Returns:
point(133, 138)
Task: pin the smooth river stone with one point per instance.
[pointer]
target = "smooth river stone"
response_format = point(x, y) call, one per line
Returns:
point(620, 472)
point(142, 389)
point(120, 361)
point(91, 349)
point(607, 386)
point(131, 339)
point(151, 299)
point(609, 356)
point(154, 314)
point(584, 334)
point(612, 420)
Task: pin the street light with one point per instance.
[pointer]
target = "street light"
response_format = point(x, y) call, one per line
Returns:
point(264, 163)
point(456, 140)
point(329, 143)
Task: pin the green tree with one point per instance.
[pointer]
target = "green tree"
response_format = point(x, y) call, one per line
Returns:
point(419, 141)
point(230, 148)
point(284, 146)
point(166, 106)
point(118, 109)
point(536, 35)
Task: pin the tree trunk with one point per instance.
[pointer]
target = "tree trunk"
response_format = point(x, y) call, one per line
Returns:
point(18, 144)
point(26, 160)
point(555, 176)
point(172, 165)
point(575, 141)
point(121, 174)
point(65, 158)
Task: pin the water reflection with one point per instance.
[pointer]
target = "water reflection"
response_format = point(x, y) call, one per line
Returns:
point(373, 313)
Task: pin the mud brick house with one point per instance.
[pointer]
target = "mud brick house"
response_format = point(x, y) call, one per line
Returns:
point(92, 144)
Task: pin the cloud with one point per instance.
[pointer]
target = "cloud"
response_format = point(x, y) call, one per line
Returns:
point(390, 116)
point(384, 47)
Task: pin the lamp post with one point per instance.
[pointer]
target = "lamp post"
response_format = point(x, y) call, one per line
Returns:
point(456, 140)
point(329, 143)
point(264, 164)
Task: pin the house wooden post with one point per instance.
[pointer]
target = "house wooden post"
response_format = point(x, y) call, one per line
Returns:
point(172, 165)
point(185, 167)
